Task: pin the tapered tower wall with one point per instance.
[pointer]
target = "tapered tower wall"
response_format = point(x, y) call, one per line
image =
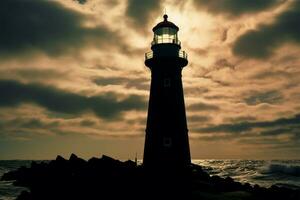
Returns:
point(166, 142)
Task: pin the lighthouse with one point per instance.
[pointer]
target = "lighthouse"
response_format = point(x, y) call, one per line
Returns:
point(166, 141)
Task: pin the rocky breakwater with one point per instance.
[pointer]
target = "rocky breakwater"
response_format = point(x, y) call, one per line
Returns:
point(107, 178)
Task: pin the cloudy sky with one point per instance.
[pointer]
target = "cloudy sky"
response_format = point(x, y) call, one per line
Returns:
point(73, 79)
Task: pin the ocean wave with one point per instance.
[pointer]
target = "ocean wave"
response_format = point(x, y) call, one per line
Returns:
point(291, 170)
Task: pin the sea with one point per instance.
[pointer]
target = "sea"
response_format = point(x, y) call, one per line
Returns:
point(284, 173)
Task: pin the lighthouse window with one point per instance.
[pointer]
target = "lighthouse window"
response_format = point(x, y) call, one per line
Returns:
point(167, 82)
point(165, 35)
point(167, 142)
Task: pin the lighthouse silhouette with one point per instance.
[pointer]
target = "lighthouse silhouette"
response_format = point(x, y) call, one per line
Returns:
point(166, 141)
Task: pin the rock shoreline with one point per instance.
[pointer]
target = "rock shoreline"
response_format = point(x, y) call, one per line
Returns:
point(107, 178)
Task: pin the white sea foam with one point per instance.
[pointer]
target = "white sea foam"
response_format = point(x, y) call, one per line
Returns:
point(262, 172)
point(287, 169)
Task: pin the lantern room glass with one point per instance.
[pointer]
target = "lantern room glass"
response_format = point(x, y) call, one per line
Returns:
point(165, 35)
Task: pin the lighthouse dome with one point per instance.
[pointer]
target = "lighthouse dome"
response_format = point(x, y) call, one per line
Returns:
point(165, 23)
point(165, 32)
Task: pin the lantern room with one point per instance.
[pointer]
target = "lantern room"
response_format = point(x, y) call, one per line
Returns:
point(165, 32)
point(165, 45)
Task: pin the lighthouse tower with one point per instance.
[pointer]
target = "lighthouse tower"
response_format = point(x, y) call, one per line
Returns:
point(166, 143)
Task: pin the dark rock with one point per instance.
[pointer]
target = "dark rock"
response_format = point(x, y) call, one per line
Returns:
point(110, 161)
point(107, 178)
point(229, 180)
point(93, 160)
point(73, 157)
point(74, 160)
point(25, 195)
point(247, 187)
point(60, 159)
point(130, 163)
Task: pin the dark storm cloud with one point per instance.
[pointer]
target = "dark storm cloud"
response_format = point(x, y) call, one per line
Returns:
point(273, 74)
point(270, 97)
point(25, 128)
point(223, 63)
point(35, 74)
point(240, 119)
point(203, 107)
point(224, 35)
point(37, 123)
point(270, 143)
point(32, 123)
point(138, 83)
point(45, 26)
point(226, 128)
point(195, 91)
point(87, 123)
point(140, 11)
point(42, 73)
point(81, 1)
point(248, 126)
point(107, 106)
point(262, 42)
point(277, 131)
point(236, 7)
point(211, 138)
point(198, 118)
point(218, 97)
